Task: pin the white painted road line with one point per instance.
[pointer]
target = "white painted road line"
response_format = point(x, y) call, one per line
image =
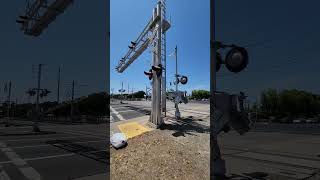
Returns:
point(44, 145)
point(30, 173)
point(127, 110)
point(117, 114)
point(37, 139)
point(84, 133)
point(3, 174)
point(22, 165)
point(111, 119)
point(50, 157)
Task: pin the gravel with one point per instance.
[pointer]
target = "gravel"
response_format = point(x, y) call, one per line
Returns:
point(155, 155)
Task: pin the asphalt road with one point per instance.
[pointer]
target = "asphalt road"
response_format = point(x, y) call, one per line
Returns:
point(76, 151)
point(61, 152)
point(268, 151)
point(133, 109)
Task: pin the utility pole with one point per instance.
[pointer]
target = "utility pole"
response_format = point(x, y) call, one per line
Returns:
point(146, 92)
point(58, 90)
point(112, 91)
point(257, 106)
point(177, 113)
point(121, 92)
point(72, 99)
point(15, 108)
point(9, 105)
point(35, 124)
point(128, 91)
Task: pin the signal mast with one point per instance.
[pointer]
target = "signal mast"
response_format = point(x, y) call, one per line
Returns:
point(153, 36)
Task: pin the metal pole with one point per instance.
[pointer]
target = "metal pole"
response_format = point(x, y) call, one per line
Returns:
point(176, 102)
point(121, 92)
point(218, 163)
point(163, 56)
point(9, 104)
point(58, 91)
point(35, 124)
point(153, 117)
point(146, 93)
point(15, 108)
point(176, 54)
point(257, 106)
point(157, 62)
point(72, 98)
point(156, 118)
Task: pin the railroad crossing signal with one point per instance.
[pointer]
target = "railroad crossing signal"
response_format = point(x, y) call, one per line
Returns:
point(228, 108)
point(43, 92)
point(152, 36)
point(149, 74)
point(183, 79)
point(39, 14)
point(235, 60)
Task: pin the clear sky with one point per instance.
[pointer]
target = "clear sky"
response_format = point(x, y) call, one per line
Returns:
point(76, 41)
point(189, 31)
point(283, 43)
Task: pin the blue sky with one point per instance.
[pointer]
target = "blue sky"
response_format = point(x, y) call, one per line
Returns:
point(76, 40)
point(286, 53)
point(189, 31)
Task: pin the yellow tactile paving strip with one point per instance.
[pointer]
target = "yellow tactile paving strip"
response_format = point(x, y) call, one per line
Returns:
point(132, 129)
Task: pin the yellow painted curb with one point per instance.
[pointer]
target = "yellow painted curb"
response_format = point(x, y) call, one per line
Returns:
point(132, 129)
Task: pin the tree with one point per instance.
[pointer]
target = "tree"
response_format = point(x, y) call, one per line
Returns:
point(290, 103)
point(200, 94)
point(139, 94)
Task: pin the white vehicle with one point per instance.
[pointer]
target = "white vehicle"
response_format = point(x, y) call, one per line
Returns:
point(296, 121)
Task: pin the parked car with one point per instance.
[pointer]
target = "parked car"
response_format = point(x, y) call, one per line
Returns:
point(296, 121)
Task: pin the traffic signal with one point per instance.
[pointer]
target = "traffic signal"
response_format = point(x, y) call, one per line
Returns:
point(149, 74)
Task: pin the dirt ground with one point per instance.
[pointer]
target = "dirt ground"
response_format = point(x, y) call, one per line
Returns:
point(154, 155)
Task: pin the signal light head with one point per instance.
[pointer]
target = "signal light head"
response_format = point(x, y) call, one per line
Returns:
point(20, 21)
point(237, 59)
point(149, 74)
point(177, 81)
point(184, 79)
point(24, 17)
point(158, 69)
